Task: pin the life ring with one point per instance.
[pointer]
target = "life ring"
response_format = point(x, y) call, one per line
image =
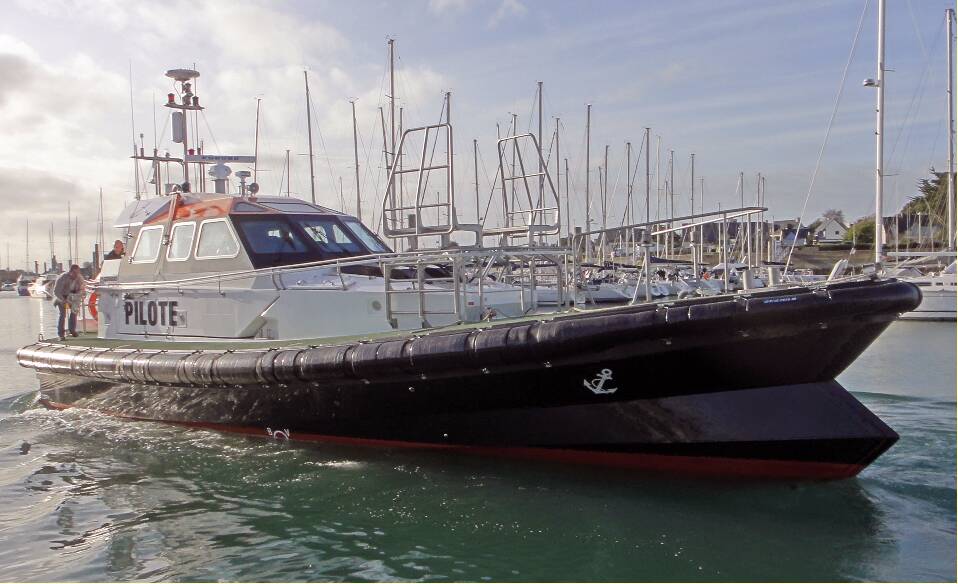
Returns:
point(91, 304)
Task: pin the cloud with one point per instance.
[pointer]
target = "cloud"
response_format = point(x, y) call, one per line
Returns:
point(507, 9)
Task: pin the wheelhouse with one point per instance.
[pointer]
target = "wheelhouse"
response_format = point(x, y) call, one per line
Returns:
point(205, 233)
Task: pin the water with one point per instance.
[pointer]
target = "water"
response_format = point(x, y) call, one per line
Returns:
point(89, 498)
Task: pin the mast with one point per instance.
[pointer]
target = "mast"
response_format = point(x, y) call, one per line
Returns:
point(557, 186)
point(568, 212)
point(879, 132)
point(670, 203)
point(309, 134)
point(288, 177)
point(256, 141)
point(136, 165)
point(539, 138)
point(69, 235)
point(628, 183)
point(392, 116)
point(658, 188)
point(692, 191)
point(588, 199)
point(475, 167)
point(359, 210)
point(950, 18)
point(605, 191)
point(648, 176)
point(100, 231)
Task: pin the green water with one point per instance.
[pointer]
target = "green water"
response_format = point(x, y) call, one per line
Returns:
point(90, 498)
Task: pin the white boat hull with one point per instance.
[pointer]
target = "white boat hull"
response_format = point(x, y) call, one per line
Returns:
point(935, 305)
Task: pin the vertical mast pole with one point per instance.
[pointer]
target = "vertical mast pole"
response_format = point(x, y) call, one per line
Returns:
point(475, 167)
point(588, 198)
point(256, 141)
point(671, 199)
point(950, 18)
point(568, 212)
point(880, 132)
point(658, 189)
point(359, 208)
point(69, 236)
point(309, 133)
point(628, 196)
point(289, 177)
point(136, 165)
point(605, 199)
point(392, 119)
point(648, 175)
point(450, 182)
point(692, 192)
point(539, 138)
point(557, 184)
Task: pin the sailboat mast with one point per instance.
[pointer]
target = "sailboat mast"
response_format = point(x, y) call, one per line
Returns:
point(880, 132)
point(588, 198)
point(392, 116)
point(539, 138)
point(359, 204)
point(648, 175)
point(256, 141)
point(475, 168)
point(69, 235)
point(557, 185)
point(309, 133)
point(950, 19)
point(568, 212)
point(289, 178)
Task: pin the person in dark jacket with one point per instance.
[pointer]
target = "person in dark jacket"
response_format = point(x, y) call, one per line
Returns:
point(117, 252)
point(67, 294)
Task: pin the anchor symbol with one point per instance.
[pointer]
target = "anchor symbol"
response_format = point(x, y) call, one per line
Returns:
point(278, 434)
point(597, 386)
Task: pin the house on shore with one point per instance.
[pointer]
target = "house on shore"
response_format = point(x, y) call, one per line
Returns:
point(830, 231)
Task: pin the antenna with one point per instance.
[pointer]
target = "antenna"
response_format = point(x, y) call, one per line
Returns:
point(309, 132)
point(256, 140)
point(190, 102)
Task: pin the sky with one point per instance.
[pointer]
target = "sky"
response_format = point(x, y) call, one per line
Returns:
point(746, 85)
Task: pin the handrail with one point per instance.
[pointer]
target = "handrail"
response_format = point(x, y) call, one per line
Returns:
point(419, 256)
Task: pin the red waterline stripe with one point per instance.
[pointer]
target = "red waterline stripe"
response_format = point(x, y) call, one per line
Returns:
point(690, 465)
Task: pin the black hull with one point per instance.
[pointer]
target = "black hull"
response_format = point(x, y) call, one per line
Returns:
point(725, 386)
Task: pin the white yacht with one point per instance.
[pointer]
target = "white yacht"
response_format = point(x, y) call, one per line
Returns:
point(938, 295)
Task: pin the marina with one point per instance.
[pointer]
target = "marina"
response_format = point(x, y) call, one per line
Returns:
point(406, 363)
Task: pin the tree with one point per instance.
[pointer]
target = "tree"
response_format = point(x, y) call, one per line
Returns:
point(836, 214)
point(862, 232)
point(932, 198)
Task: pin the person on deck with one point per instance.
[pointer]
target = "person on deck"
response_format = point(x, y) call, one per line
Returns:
point(117, 252)
point(67, 292)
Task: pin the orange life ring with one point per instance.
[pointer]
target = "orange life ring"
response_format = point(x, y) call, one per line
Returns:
point(91, 304)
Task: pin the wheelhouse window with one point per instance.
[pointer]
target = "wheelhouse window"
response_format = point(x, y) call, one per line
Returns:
point(181, 241)
point(365, 235)
point(272, 235)
point(216, 240)
point(328, 234)
point(147, 247)
point(274, 239)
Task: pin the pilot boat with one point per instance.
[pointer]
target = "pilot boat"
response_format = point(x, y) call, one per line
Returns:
point(278, 317)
